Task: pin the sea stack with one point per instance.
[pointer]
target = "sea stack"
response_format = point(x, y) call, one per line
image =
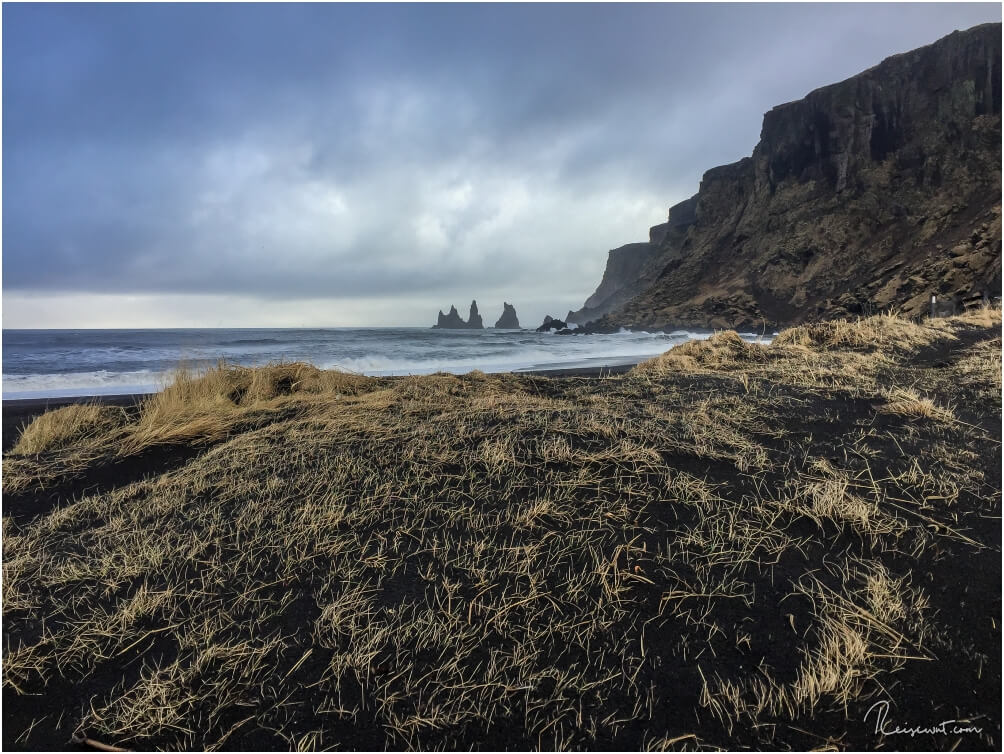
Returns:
point(508, 320)
point(474, 319)
point(452, 321)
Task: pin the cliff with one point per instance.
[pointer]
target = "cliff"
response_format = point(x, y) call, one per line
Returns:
point(630, 267)
point(869, 194)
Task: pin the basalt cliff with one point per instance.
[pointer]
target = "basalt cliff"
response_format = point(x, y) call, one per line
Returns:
point(871, 194)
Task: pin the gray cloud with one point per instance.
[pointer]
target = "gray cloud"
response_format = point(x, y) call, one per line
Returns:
point(367, 152)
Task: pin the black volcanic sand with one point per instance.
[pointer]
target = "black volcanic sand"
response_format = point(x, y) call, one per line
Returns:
point(523, 562)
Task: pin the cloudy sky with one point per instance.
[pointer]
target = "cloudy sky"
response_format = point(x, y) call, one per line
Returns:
point(336, 165)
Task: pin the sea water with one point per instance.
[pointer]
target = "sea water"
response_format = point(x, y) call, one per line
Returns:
point(56, 363)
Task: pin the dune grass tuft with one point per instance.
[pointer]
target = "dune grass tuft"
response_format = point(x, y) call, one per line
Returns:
point(722, 351)
point(878, 332)
point(204, 406)
point(63, 426)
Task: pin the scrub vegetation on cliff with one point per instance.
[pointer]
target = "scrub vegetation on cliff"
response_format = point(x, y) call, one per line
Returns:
point(733, 545)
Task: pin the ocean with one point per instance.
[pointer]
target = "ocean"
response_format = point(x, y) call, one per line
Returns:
point(63, 363)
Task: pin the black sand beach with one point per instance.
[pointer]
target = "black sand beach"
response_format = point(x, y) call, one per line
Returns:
point(729, 546)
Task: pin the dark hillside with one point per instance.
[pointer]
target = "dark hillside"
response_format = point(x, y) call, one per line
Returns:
point(869, 194)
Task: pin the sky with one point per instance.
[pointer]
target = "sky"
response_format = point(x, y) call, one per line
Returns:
point(260, 165)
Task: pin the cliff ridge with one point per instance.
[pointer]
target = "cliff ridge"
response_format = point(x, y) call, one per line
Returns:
point(868, 194)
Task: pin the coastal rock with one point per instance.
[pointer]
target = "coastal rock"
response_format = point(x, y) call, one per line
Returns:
point(508, 320)
point(452, 321)
point(601, 326)
point(474, 319)
point(550, 323)
point(869, 194)
point(631, 267)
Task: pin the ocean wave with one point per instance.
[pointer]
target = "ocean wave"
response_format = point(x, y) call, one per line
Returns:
point(569, 351)
point(253, 342)
point(98, 382)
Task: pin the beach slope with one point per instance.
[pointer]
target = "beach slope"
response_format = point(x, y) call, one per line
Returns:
point(731, 545)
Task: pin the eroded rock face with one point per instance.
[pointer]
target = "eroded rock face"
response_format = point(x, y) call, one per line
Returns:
point(452, 321)
point(631, 267)
point(508, 320)
point(872, 193)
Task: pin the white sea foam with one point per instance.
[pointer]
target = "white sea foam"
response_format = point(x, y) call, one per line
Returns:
point(99, 382)
point(555, 351)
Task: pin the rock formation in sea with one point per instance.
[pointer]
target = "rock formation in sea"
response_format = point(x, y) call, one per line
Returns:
point(452, 321)
point(474, 319)
point(508, 320)
point(550, 323)
point(870, 194)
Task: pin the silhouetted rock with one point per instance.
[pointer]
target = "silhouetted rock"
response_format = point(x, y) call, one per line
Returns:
point(508, 320)
point(550, 323)
point(601, 326)
point(452, 321)
point(869, 194)
point(474, 319)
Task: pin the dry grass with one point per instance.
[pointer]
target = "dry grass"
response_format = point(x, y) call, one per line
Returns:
point(205, 406)
point(878, 332)
point(742, 534)
point(722, 351)
point(76, 423)
point(980, 366)
point(908, 402)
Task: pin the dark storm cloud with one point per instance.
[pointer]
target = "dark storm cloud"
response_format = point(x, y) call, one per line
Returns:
point(364, 150)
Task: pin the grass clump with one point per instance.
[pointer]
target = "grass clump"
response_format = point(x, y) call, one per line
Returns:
point(878, 332)
point(908, 402)
point(79, 422)
point(722, 351)
point(205, 405)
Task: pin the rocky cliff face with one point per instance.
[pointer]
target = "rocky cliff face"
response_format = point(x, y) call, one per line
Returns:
point(872, 193)
point(631, 267)
point(508, 320)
